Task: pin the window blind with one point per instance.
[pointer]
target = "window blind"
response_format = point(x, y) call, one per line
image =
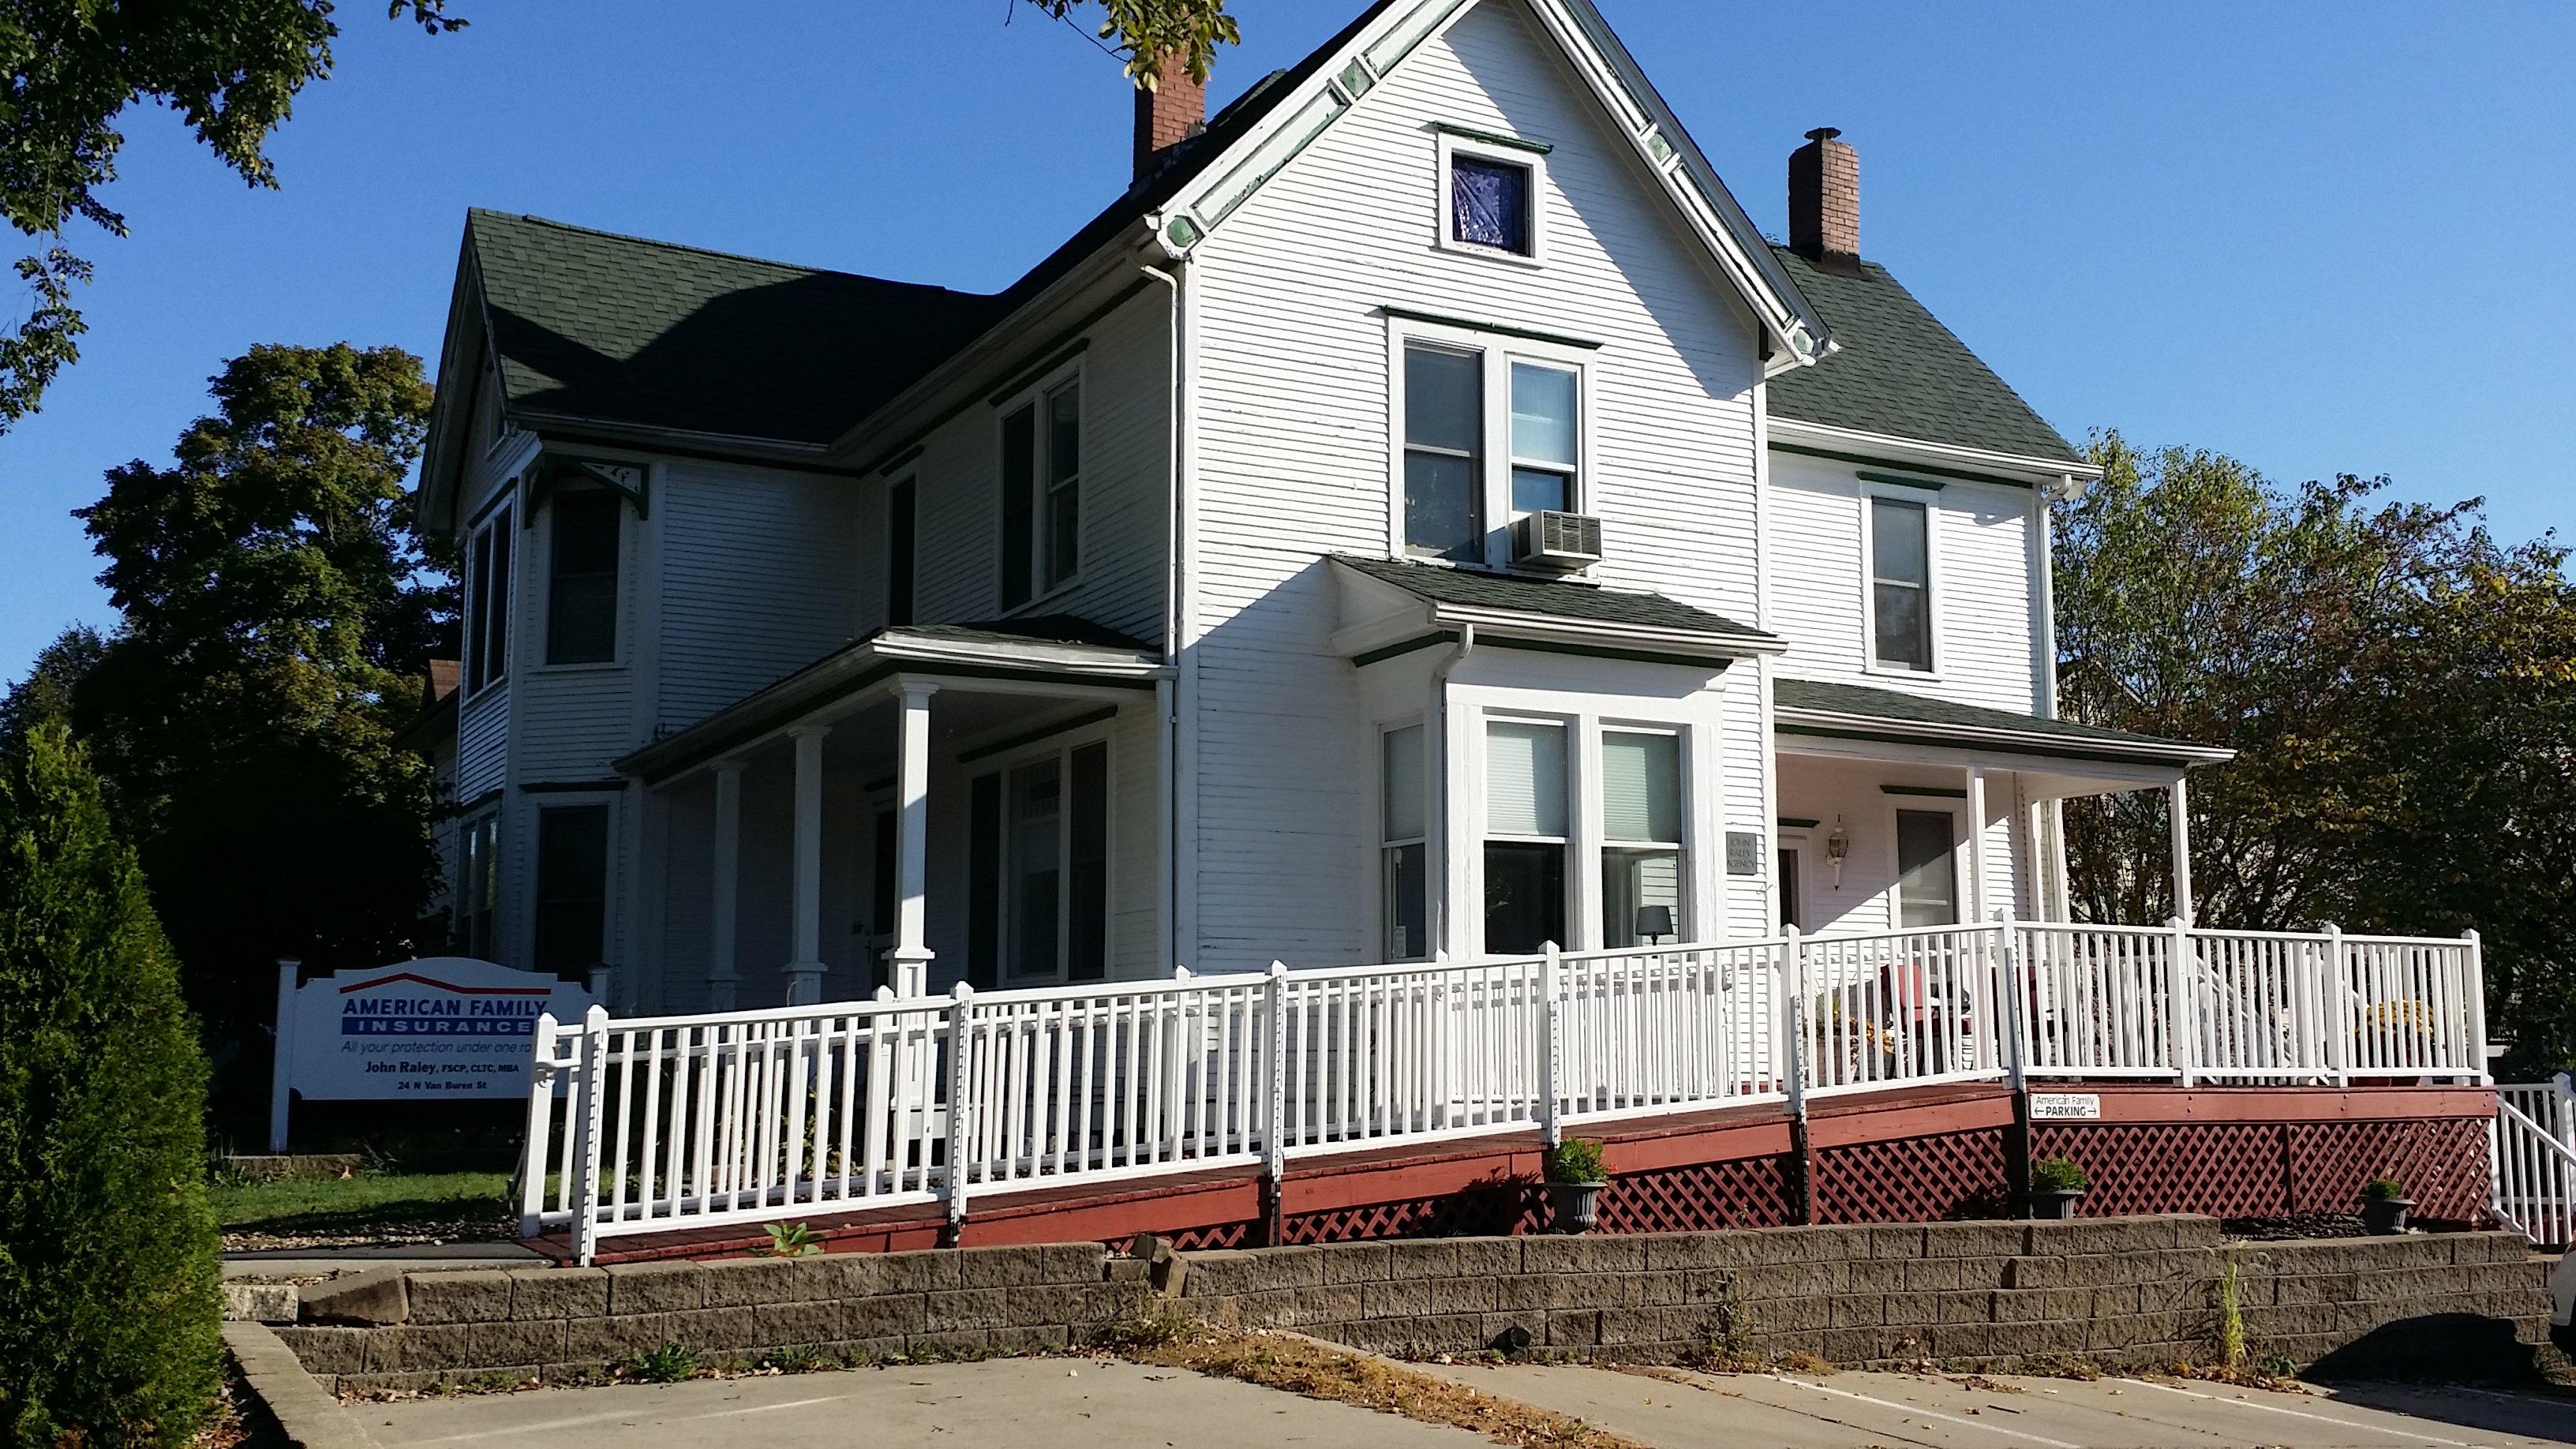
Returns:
point(1641, 787)
point(1524, 779)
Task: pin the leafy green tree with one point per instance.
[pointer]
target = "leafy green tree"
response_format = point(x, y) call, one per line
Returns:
point(231, 69)
point(45, 695)
point(1151, 30)
point(108, 1301)
point(2400, 689)
point(278, 610)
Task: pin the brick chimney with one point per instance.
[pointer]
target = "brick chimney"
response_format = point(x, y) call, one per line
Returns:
point(1172, 112)
point(1824, 199)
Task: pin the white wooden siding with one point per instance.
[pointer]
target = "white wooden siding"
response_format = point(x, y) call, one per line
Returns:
point(1293, 458)
point(758, 578)
point(1126, 437)
point(1828, 789)
point(1981, 650)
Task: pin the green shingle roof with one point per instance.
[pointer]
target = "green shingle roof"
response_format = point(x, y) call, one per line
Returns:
point(1864, 702)
point(1900, 372)
point(1551, 598)
point(586, 324)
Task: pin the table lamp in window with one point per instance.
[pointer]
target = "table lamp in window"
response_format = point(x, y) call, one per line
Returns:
point(1654, 923)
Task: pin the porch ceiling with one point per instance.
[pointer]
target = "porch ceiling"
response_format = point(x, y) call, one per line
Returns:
point(1820, 711)
point(1059, 656)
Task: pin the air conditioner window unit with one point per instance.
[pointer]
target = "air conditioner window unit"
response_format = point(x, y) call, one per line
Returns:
point(1551, 540)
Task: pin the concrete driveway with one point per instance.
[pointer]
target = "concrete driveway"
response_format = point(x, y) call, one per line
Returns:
point(1851, 1410)
point(1034, 1403)
point(1062, 1403)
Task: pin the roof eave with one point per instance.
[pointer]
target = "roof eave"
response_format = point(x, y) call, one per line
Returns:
point(1521, 624)
point(2023, 467)
point(2135, 751)
point(764, 713)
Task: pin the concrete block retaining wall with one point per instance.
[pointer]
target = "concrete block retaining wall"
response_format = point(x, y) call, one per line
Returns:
point(422, 1329)
point(2125, 1293)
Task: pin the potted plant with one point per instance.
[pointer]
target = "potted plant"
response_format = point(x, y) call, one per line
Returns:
point(2055, 1184)
point(1574, 1183)
point(2383, 1205)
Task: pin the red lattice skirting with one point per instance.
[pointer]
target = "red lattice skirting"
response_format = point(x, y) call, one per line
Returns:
point(2273, 1169)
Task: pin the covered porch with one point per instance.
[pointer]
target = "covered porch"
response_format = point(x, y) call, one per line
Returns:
point(929, 805)
point(1900, 811)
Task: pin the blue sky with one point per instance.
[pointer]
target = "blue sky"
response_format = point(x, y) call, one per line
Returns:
point(2323, 238)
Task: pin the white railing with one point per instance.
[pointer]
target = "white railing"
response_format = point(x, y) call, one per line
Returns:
point(2534, 1152)
point(649, 1124)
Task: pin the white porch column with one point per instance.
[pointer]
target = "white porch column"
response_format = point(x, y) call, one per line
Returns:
point(725, 897)
point(912, 955)
point(2178, 804)
point(1976, 912)
point(2034, 824)
point(805, 964)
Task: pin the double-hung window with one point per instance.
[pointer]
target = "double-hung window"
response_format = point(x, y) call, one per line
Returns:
point(1490, 435)
point(487, 604)
point(1042, 493)
point(1444, 447)
point(478, 885)
point(1404, 868)
point(1900, 583)
point(1927, 875)
point(1641, 834)
point(900, 505)
point(1038, 869)
point(572, 887)
point(1526, 836)
point(581, 597)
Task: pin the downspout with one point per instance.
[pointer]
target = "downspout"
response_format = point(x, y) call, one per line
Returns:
point(1440, 738)
point(1167, 697)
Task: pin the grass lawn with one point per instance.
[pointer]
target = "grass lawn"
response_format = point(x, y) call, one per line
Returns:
point(362, 1205)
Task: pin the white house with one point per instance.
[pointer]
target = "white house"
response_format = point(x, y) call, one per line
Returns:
point(1421, 516)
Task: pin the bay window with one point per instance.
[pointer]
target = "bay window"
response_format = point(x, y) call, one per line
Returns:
point(487, 604)
point(1404, 872)
point(1526, 836)
point(581, 598)
point(1641, 833)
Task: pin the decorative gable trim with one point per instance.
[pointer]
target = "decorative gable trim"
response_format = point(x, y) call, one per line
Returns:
point(1797, 332)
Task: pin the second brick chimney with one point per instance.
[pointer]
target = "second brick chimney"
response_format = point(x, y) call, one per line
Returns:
point(1172, 112)
point(1824, 199)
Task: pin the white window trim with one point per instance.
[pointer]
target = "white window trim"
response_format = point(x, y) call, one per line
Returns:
point(1931, 501)
point(1532, 160)
point(486, 820)
point(1059, 748)
point(1034, 396)
point(1496, 352)
point(1963, 909)
point(544, 604)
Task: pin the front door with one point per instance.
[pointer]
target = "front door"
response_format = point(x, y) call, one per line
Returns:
point(1792, 902)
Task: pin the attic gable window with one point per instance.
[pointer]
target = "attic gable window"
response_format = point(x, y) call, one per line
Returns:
point(1489, 195)
point(1489, 204)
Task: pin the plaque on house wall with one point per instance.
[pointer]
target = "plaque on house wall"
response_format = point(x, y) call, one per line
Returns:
point(1743, 852)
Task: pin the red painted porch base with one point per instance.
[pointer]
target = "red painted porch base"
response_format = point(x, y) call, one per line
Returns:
point(1921, 1154)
